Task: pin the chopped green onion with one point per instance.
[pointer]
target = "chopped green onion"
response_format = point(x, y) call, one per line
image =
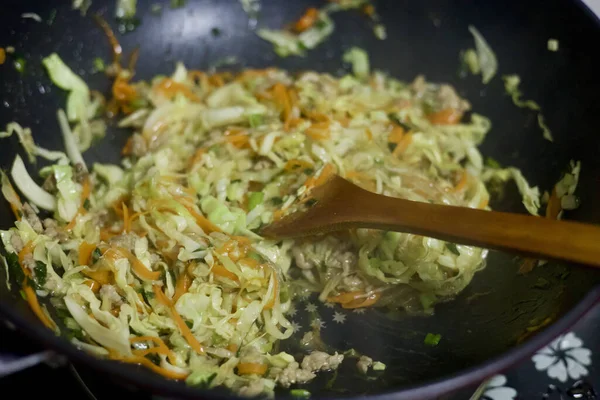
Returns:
point(255, 199)
point(432, 339)
point(19, 64)
point(40, 272)
point(99, 65)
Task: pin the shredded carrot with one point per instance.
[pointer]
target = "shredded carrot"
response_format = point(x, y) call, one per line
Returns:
point(359, 303)
point(251, 369)
point(106, 234)
point(169, 89)
point(196, 158)
point(483, 203)
point(102, 276)
point(368, 10)
point(35, 306)
point(369, 134)
point(2, 55)
point(307, 20)
point(318, 131)
point(462, 182)
point(160, 347)
point(128, 148)
point(126, 221)
point(200, 77)
point(448, 116)
point(27, 250)
point(116, 47)
point(554, 207)
point(92, 284)
point(271, 302)
point(326, 173)
point(345, 297)
point(123, 91)
point(403, 145)
point(160, 296)
point(202, 221)
point(150, 365)
point(239, 141)
point(281, 97)
point(136, 265)
point(232, 347)
point(183, 328)
point(220, 270)
point(396, 134)
point(182, 286)
point(249, 262)
point(295, 164)
point(133, 59)
point(85, 252)
point(216, 80)
point(356, 299)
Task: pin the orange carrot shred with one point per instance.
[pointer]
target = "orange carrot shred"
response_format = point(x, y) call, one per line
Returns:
point(307, 20)
point(448, 116)
point(85, 252)
point(251, 369)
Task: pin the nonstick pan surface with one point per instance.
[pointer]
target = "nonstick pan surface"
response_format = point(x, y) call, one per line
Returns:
point(484, 329)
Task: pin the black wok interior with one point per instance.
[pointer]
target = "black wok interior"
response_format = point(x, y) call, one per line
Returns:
point(481, 329)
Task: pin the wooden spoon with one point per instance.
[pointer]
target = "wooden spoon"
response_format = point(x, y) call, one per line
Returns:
point(341, 205)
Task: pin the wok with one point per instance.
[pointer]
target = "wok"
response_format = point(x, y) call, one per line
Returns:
point(486, 328)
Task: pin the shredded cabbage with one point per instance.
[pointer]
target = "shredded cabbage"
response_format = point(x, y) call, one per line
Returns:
point(160, 260)
point(359, 60)
point(488, 64)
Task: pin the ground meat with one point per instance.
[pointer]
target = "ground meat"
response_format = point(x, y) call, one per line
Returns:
point(53, 231)
point(352, 283)
point(262, 164)
point(50, 184)
point(31, 217)
point(138, 145)
point(109, 293)
point(294, 374)
point(364, 363)
point(16, 242)
point(80, 173)
point(320, 361)
point(253, 389)
point(448, 98)
point(126, 240)
point(29, 262)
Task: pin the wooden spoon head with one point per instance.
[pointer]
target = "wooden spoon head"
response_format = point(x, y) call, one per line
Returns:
point(320, 217)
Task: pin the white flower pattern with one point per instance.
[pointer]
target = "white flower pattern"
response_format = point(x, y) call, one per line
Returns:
point(310, 307)
point(359, 310)
point(564, 358)
point(496, 389)
point(328, 304)
point(339, 317)
point(296, 327)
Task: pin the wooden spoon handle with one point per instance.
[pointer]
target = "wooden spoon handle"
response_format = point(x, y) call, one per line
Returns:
point(524, 234)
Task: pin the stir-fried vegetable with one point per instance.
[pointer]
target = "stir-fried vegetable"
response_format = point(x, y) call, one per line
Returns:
point(159, 260)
